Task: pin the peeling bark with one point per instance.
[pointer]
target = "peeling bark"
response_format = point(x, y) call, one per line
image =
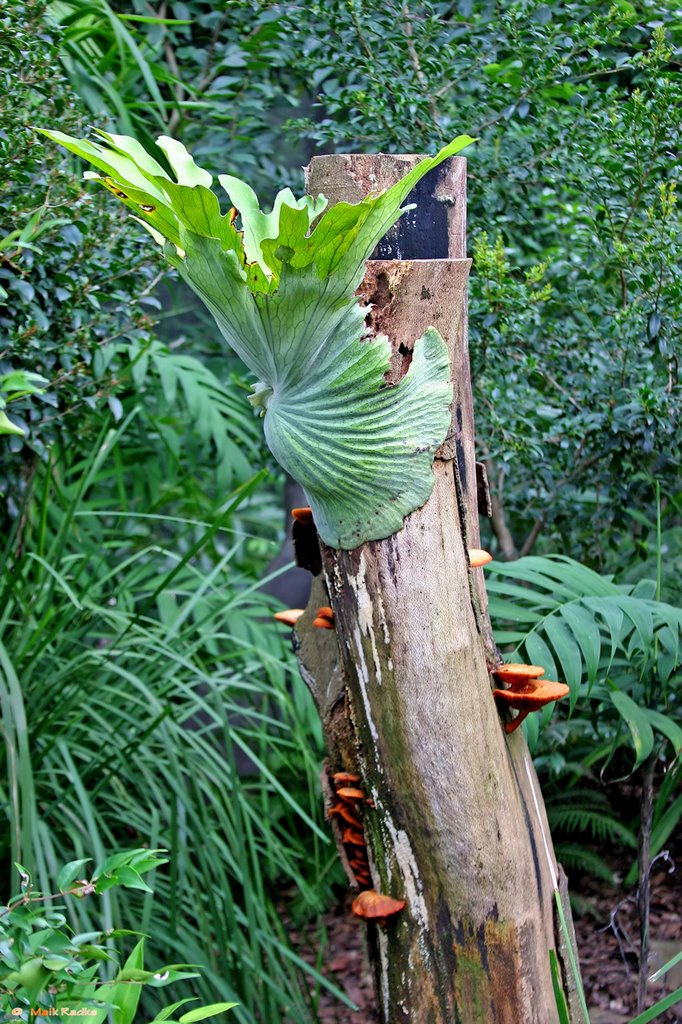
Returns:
point(455, 824)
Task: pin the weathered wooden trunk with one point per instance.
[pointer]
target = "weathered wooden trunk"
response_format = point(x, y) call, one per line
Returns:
point(454, 823)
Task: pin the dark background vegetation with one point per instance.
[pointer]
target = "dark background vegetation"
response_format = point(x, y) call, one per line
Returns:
point(140, 667)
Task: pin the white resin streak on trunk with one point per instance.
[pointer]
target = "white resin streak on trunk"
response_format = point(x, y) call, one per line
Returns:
point(409, 870)
point(365, 613)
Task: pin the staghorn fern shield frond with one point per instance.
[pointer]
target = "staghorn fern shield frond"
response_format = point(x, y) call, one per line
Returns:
point(283, 298)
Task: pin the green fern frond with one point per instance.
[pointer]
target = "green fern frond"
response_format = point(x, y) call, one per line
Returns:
point(577, 858)
point(214, 409)
point(576, 623)
point(601, 826)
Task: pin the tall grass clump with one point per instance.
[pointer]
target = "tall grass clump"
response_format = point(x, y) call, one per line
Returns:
point(149, 700)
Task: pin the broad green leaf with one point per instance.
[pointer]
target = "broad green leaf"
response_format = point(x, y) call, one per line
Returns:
point(184, 167)
point(666, 825)
point(540, 654)
point(366, 475)
point(638, 724)
point(126, 997)
point(283, 298)
point(512, 612)
point(204, 1012)
point(131, 879)
point(668, 650)
point(586, 632)
point(567, 651)
point(665, 725)
point(169, 1010)
point(638, 610)
point(557, 985)
point(70, 872)
point(612, 615)
point(7, 427)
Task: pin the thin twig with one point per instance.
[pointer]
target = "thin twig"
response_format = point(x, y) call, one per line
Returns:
point(644, 868)
point(416, 64)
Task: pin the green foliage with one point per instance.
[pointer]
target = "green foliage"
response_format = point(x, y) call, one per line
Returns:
point(283, 297)
point(575, 105)
point(46, 967)
point(575, 323)
point(574, 621)
point(147, 698)
point(576, 108)
point(577, 392)
point(618, 648)
point(66, 295)
point(14, 387)
point(75, 299)
point(141, 74)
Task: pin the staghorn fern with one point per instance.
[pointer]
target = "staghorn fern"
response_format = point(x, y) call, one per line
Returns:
point(283, 297)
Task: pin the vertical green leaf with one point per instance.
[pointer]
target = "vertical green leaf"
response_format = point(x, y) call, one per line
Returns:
point(560, 998)
point(637, 722)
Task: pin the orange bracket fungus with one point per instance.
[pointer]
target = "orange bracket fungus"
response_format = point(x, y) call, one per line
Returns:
point(350, 833)
point(479, 557)
point(374, 906)
point(345, 777)
point(529, 695)
point(324, 618)
point(515, 673)
point(353, 838)
point(289, 617)
point(344, 812)
point(350, 793)
point(302, 515)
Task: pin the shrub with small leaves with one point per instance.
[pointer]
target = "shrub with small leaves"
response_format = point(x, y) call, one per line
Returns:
point(71, 282)
point(48, 969)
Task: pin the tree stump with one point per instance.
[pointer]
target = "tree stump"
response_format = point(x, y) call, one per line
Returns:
point(453, 820)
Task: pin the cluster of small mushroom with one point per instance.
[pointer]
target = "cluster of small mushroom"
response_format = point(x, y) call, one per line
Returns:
point(348, 806)
point(369, 903)
point(527, 691)
point(324, 617)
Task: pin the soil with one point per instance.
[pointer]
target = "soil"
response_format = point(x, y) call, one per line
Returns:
point(606, 924)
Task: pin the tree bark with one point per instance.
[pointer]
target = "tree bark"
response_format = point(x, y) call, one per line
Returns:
point(453, 819)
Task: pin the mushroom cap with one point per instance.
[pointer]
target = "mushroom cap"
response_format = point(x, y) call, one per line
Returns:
point(350, 793)
point(325, 612)
point(289, 617)
point(374, 905)
point(344, 811)
point(479, 557)
point(513, 671)
point(353, 837)
point(345, 777)
point(532, 694)
point(303, 515)
point(323, 623)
